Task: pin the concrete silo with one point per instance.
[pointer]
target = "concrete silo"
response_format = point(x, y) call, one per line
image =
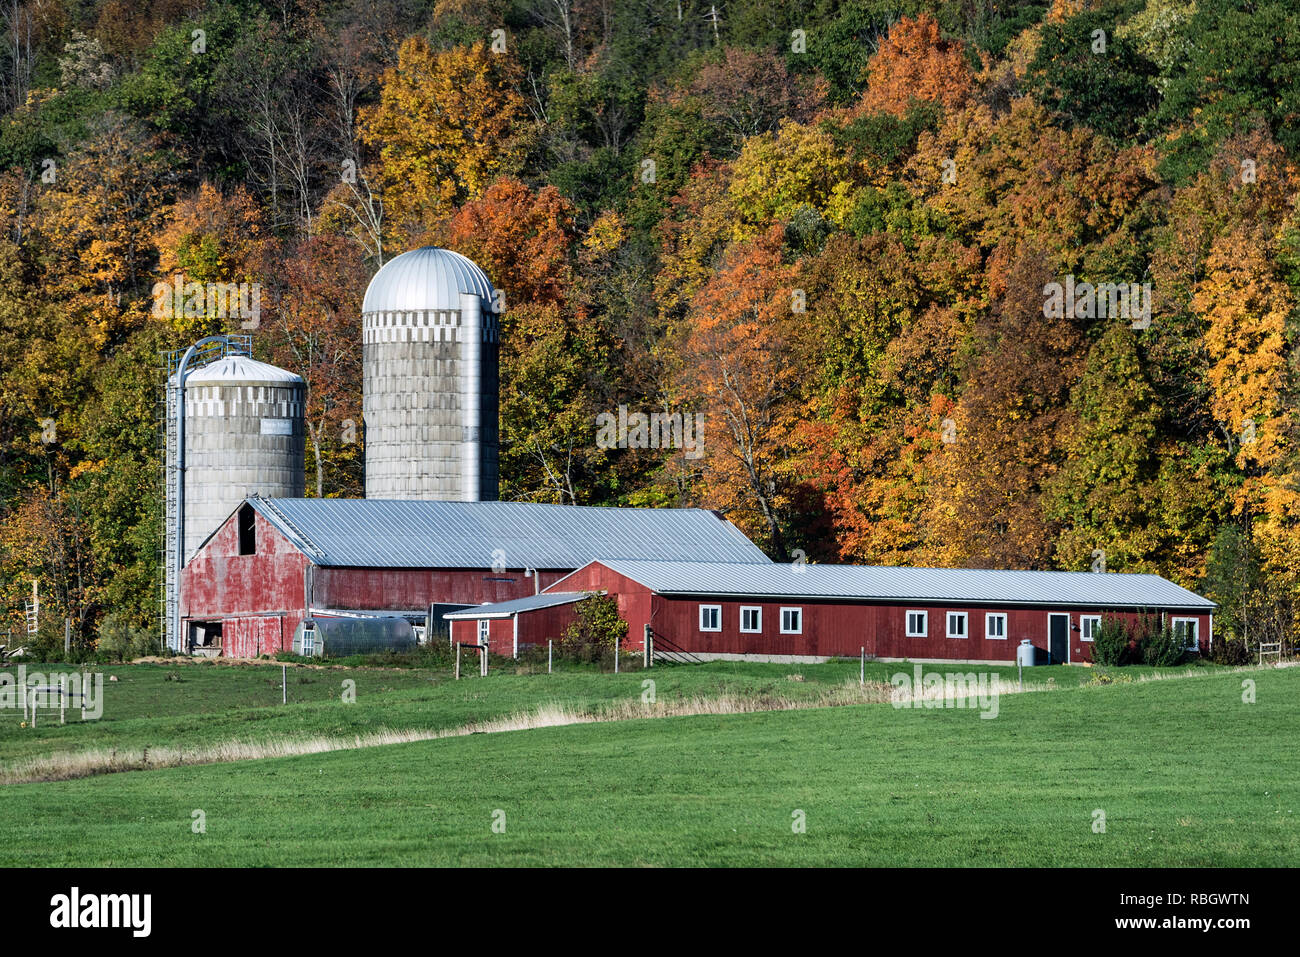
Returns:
point(244, 434)
point(429, 354)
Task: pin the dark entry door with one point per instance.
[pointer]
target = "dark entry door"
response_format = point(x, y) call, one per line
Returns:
point(1058, 629)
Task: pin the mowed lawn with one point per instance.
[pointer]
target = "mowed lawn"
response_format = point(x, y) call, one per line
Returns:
point(1185, 772)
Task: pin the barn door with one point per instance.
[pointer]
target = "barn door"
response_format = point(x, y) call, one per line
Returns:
point(1058, 645)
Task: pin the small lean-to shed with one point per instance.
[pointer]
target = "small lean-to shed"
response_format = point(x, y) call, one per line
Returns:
point(325, 637)
point(508, 626)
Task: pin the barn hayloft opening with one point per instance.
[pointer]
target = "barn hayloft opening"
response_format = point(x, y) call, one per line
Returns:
point(247, 521)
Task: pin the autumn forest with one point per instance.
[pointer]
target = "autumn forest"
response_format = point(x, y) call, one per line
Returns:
point(962, 283)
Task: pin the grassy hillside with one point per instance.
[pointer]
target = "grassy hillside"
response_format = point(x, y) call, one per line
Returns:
point(1186, 773)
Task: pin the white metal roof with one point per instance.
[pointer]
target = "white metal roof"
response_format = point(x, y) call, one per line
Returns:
point(240, 370)
point(388, 533)
point(506, 609)
point(426, 278)
point(867, 583)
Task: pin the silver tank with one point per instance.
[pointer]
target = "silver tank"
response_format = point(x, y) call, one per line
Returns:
point(430, 367)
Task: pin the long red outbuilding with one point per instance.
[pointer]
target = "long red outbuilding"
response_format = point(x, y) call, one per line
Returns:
point(798, 611)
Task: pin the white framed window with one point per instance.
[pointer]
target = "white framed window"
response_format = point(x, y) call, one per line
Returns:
point(308, 642)
point(484, 630)
point(957, 624)
point(918, 624)
point(710, 618)
point(1089, 625)
point(1189, 629)
point(995, 626)
point(751, 619)
point(792, 621)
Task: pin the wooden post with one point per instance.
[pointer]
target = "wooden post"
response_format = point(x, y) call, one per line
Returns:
point(458, 662)
point(862, 667)
point(34, 702)
point(63, 698)
point(482, 668)
point(549, 642)
point(284, 684)
point(645, 648)
point(651, 636)
point(617, 642)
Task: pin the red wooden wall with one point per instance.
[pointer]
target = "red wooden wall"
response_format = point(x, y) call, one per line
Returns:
point(835, 628)
point(258, 598)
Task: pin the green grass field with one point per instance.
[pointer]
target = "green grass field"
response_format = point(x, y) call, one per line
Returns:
point(212, 702)
point(1184, 771)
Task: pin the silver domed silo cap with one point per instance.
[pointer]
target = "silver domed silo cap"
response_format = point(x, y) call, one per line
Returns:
point(428, 278)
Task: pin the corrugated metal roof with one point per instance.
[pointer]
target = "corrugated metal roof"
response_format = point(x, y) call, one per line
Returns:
point(425, 278)
point(781, 581)
point(504, 609)
point(381, 533)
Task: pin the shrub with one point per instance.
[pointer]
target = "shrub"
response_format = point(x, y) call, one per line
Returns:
point(598, 626)
point(1231, 651)
point(1112, 642)
point(119, 640)
point(1163, 648)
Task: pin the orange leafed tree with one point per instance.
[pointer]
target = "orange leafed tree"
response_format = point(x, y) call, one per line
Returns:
point(520, 237)
point(738, 366)
point(916, 64)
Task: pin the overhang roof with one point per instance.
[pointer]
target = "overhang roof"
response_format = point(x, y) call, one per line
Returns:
point(507, 609)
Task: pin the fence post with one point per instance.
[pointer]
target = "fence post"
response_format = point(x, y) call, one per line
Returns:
point(862, 667)
point(483, 664)
point(63, 698)
point(457, 661)
point(284, 684)
point(548, 655)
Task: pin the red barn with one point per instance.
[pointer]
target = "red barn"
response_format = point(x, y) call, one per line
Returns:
point(274, 562)
point(720, 610)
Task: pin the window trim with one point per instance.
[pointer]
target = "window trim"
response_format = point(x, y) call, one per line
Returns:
point(988, 617)
point(703, 609)
point(1196, 630)
point(484, 630)
point(925, 623)
point(1083, 632)
point(751, 631)
point(798, 609)
point(965, 625)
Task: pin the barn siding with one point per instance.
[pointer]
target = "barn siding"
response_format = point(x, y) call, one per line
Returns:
point(404, 589)
point(256, 597)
